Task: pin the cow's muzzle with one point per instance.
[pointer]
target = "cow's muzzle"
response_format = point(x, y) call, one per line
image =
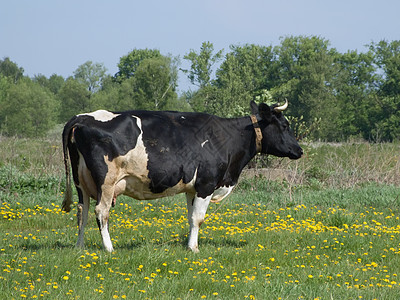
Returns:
point(296, 154)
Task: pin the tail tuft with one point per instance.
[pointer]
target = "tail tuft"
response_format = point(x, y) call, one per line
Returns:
point(66, 204)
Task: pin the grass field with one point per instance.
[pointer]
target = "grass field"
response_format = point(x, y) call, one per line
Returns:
point(329, 231)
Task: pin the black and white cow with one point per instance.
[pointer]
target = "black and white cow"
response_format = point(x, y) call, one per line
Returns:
point(151, 154)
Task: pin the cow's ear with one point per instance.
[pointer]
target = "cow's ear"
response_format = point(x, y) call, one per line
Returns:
point(265, 112)
point(254, 108)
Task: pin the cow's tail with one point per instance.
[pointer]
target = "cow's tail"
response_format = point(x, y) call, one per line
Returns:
point(66, 204)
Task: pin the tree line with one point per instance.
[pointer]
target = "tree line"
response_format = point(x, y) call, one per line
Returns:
point(333, 96)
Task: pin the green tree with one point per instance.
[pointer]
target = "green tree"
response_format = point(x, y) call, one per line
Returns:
point(11, 69)
point(201, 64)
point(5, 84)
point(91, 74)
point(387, 127)
point(254, 65)
point(107, 96)
point(207, 99)
point(153, 83)
point(355, 93)
point(246, 71)
point(28, 110)
point(41, 80)
point(147, 79)
point(306, 71)
point(129, 63)
point(387, 59)
point(152, 87)
point(54, 83)
point(116, 96)
point(75, 98)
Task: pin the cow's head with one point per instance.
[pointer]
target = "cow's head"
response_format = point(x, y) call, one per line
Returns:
point(277, 137)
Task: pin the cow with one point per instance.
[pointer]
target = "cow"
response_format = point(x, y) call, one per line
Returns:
point(152, 154)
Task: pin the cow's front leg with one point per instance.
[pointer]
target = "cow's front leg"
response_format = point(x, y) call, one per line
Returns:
point(197, 208)
point(102, 211)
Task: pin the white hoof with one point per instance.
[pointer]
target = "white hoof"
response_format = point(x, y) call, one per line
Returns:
point(194, 249)
point(109, 249)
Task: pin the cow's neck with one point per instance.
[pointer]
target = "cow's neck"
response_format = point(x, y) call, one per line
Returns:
point(244, 145)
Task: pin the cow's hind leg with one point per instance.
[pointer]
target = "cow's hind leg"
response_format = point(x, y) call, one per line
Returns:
point(102, 211)
point(197, 208)
point(82, 216)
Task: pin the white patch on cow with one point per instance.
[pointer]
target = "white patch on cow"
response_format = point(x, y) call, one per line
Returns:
point(129, 172)
point(197, 208)
point(203, 143)
point(101, 115)
point(102, 212)
point(106, 239)
point(221, 193)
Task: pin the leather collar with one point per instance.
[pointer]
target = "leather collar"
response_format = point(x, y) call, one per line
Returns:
point(258, 133)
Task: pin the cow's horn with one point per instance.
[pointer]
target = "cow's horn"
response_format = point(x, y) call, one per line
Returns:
point(282, 107)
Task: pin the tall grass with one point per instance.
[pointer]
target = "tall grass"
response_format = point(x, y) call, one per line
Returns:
point(327, 228)
point(349, 165)
point(343, 165)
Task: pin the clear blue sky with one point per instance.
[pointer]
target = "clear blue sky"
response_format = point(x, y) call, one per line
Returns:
point(51, 36)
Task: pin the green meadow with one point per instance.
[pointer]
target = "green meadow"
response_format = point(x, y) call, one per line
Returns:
point(324, 227)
